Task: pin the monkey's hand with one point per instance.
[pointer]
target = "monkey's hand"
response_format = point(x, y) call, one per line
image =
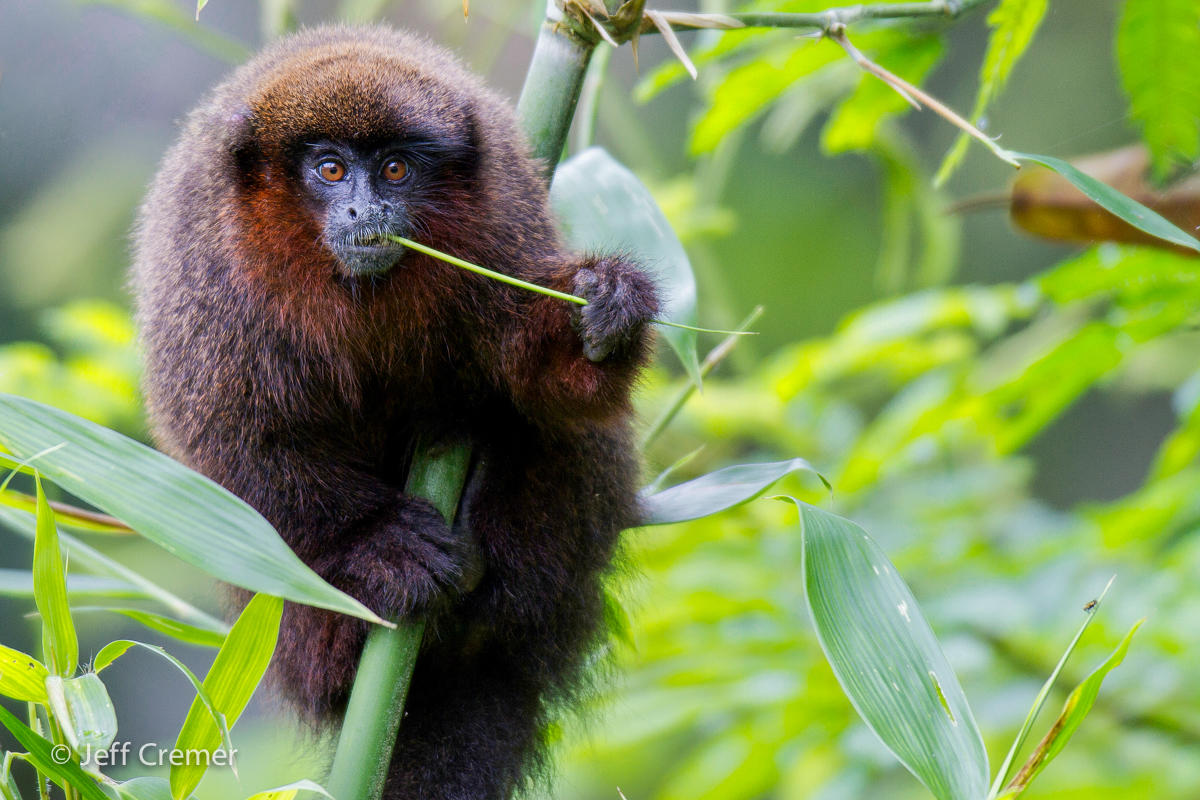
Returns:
point(407, 561)
point(621, 301)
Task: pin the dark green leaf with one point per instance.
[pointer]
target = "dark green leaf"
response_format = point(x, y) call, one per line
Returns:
point(43, 756)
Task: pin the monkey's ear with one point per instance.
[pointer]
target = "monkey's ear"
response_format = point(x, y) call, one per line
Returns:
point(241, 141)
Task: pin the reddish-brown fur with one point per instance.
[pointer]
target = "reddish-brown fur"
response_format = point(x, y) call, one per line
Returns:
point(303, 390)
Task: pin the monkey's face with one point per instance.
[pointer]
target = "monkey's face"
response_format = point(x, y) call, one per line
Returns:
point(371, 146)
point(363, 195)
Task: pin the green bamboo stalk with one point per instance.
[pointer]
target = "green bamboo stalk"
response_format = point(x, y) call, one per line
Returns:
point(551, 91)
point(376, 705)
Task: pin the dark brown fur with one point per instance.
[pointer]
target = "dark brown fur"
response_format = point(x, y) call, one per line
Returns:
point(302, 391)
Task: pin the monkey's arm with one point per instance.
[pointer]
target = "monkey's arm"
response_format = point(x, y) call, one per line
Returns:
point(390, 550)
point(564, 363)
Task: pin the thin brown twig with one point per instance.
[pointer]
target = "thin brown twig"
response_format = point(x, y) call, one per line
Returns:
point(820, 20)
point(913, 94)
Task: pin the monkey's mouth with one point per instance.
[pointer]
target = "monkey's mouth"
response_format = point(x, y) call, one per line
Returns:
point(368, 253)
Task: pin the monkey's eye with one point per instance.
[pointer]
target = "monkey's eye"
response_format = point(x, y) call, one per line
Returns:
point(395, 170)
point(331, 170)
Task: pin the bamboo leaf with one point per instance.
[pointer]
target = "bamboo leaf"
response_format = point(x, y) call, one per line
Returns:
point(235, 674)
point(8, 787)
point(1014, 24)
point(887, 658)
point(145, 789)
point(605, 208)
point(82, 554)
point(60, 643)
point(84, 712)
point(717, 491)
point(1077, 706)
point(22, 677)
point(181, 631)
point(45, 757)
point(1158, 52)
point(19, 583)
point(1128, 209)
point(290, 791)
point(178, 509)
point(114, 650)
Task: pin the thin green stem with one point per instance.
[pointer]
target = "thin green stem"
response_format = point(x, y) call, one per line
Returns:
point(714, 357)
point(916, 96)
point(1040, 700)
point(533, 287)
point(496, 276)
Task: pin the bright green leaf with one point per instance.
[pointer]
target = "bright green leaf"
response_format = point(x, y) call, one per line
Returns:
point(50, 592)
point(84, 712)
point(748, 90)
point(235, 674)
point(22, 677)
point(114, 650)
point(290, 791)
point(173, 506)
point(1077, 706)
point(603, 207)
point(887, 658)
point(1158, 51)
point(716, 491)
point(44, 756)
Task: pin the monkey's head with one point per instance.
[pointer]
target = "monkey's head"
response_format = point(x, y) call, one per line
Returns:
point(347, 143)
